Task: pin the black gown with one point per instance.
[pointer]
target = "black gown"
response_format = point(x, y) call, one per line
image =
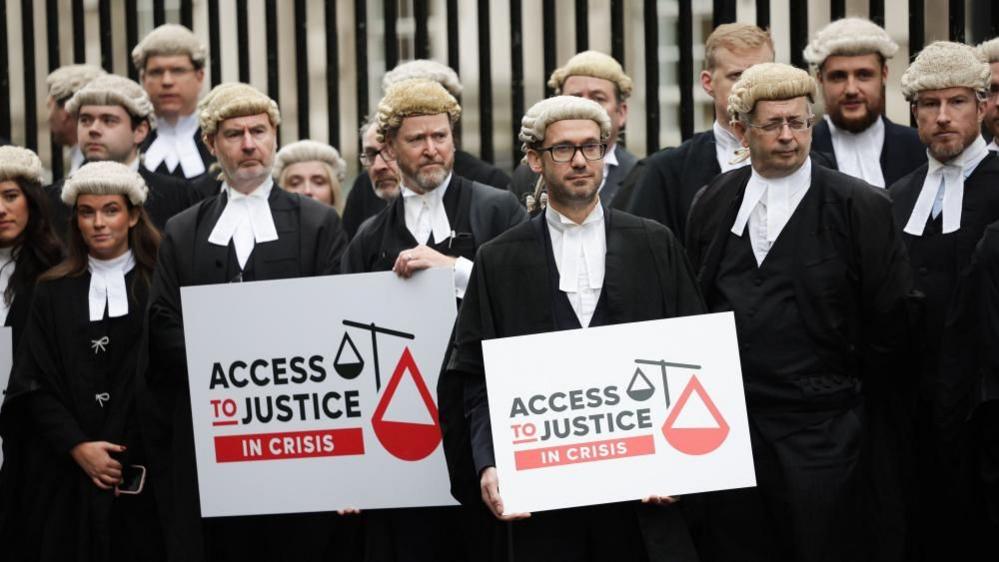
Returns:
point(66, 364)
point(514, 291)
point(167, 197)
point(16, 431)
point(310, 242)
point(362, 203)
point(823, 316)
point(477, 213)
point(940, 262)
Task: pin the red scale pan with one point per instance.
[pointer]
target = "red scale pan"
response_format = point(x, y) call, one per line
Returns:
point(405, 440)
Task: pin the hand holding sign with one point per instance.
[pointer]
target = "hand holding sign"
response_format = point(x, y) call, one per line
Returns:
point(491, 496)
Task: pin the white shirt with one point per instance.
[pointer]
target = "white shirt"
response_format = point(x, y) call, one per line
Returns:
point(175, 144)
point(726, 146)
point(580, 251)
point(994, 145)
point(425, 215)
point(246, 220)
point(859, 154)
point(75, 158)
point(6, 271)
point(610, 161)
point(107, 286)
point(943, 189)
point(767, 206)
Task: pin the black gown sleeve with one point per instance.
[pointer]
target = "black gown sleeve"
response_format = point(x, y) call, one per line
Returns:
point(681, 292)
point(331, 245)
point(42, 370)
point(475, 324)
point(167, 350)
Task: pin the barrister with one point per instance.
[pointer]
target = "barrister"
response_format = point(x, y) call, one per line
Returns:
point(576, 265)
point(251, 230)
point(814, 268)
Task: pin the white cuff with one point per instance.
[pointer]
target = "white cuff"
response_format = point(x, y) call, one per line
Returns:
point(462, 273)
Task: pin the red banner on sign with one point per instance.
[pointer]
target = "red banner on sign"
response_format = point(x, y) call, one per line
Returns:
point(585, 452)
point(289, 445)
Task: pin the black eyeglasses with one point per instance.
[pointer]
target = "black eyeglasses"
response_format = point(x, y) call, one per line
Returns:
point(368, 157)
point(562, 153)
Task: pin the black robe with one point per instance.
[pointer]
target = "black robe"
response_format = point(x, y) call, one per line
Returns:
point(167, 197)
point(525, 180)
point(477, 213)
point(14, 428)
point(940, 264)
point(670, 180)
point(966, 408)
point(310, 242)
point(847, 281)
point(513, 291)
point(901, 153)
point(362, 203)
point(66, 362)
point(178, 172)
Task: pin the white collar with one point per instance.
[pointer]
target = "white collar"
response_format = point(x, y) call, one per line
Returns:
point(413, 204)
point(780, 193)
point(246, 220)
point(75, 158)
point(994, 145)
point(727, 146)
point(859, 154)
point(107, 285)
point(134, 164)
point(610, 157)
point(175, 144)
point(952, 173)
point(573, 243)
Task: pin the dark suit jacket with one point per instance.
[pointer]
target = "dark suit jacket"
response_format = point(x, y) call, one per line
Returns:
point(178, 172)
point(524, 180)
point(901, 153)
point(310, 242)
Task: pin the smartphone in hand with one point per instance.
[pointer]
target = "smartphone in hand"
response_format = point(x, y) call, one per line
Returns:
point(133, 479)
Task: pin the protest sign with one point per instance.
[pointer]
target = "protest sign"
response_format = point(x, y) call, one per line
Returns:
point(319, 393)
point(617, 413)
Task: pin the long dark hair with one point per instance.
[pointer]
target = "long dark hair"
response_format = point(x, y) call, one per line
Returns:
point(37, 248)
point(143, 240)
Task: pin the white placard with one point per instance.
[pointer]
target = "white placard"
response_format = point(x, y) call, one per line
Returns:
point(616, 413)
point(319, 393)
point(6, 364)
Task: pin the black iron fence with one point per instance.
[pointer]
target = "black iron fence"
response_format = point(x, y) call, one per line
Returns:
point(347, 75)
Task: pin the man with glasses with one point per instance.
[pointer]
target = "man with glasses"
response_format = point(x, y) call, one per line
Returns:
point(380, 180)
point(945, 207)
point(171, 64)
point(813, 266)
point(575, 265)
point(850, 57)
point(440, 219)
point(990, 50)
point(598, 77)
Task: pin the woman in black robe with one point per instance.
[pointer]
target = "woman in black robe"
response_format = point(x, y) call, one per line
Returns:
point(75, 377)
point(28, 247)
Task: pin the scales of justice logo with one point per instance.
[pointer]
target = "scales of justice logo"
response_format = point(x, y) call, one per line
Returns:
point(689, 440)
point(405, 440)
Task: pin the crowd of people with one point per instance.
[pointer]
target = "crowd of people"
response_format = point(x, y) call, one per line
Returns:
point(860, 258)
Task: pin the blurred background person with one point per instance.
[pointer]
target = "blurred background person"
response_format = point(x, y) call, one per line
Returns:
point(313, 169)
